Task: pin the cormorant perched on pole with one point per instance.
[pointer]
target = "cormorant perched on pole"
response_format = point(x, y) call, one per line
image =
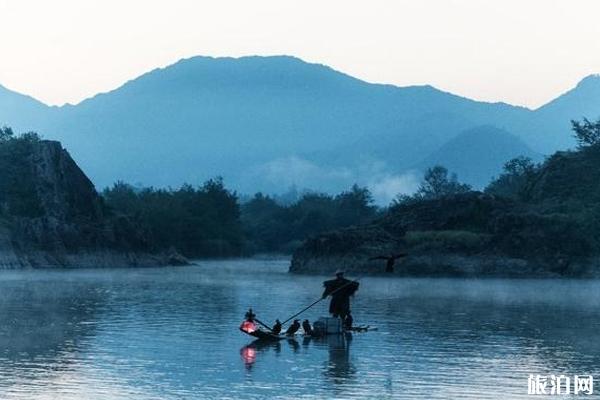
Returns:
point(390, 260)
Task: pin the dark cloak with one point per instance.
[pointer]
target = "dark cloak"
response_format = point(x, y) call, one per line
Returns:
point(340, 290)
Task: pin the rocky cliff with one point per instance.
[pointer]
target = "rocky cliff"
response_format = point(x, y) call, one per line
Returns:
point(52, 216)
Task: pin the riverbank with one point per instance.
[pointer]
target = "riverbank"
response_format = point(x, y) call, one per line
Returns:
point(465, 235)
point(91, 259)
point(442, 265)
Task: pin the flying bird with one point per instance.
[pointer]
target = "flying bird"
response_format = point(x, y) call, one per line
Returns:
point(390, 260)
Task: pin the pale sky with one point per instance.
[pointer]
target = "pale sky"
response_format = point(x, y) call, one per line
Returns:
point(523, 52)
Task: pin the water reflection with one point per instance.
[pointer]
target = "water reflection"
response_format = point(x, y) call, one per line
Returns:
point(338, 367)
point(172, 334)
point(250, 352)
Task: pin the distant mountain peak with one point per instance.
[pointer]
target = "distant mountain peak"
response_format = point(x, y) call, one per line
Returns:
point(580, 101)
point(245, 62)
point(216, 73)
point(593, 79)
point(478, 153)
point(19, 111)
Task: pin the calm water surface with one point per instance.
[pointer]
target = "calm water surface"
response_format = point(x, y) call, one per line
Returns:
point(172, 334)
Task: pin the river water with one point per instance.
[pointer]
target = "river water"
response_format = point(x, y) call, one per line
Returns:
point(171, 333)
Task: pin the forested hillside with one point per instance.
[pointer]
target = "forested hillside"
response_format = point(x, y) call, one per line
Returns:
point(533, 220)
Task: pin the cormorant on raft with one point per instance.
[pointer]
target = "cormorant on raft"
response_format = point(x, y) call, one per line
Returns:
point(276, 327)
point(307, 327)
point(250, 326)
point(390, 260)
point(293, 328)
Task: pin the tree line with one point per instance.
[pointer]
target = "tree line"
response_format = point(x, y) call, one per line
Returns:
point(197, 221)
point(18, 194)
point(272, 227)
point(210, 221)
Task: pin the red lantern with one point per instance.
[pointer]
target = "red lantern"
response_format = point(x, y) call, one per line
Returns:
point(248, 326)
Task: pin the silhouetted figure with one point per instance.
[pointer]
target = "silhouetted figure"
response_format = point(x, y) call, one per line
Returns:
point(307, 327)
point(340, 289)
point(348, 321)
point(390, 260)
point(277, 327)
point(293, 328)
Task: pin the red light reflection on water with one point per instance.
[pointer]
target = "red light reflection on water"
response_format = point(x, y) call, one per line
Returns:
point(248, 354)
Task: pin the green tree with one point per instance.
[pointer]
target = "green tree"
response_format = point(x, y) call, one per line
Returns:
point(265, 224)
point(354, 206)
point(123, 197)
point(271, 226)
point(6, 133)
point(586, 133)
point(515, 179)
point(437, 183)
point(202, 221)
point(18, 192)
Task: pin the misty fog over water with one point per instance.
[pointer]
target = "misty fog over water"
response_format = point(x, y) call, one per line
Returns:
point(173, 333)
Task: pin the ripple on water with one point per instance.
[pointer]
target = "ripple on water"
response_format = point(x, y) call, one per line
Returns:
point(172, 334)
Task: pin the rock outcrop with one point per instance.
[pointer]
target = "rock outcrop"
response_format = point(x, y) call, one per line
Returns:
point(57, 219)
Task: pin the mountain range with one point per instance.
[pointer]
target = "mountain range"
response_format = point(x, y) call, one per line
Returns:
point(267, 123)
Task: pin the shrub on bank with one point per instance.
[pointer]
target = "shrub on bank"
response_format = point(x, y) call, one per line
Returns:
point(448, 240)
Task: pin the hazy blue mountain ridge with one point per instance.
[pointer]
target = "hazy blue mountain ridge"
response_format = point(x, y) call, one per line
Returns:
point(486, 148)
point(264, 123)
point(20, 111)
point(550, 124)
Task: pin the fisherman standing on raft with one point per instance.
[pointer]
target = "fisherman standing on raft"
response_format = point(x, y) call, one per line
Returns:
point(340, 290)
